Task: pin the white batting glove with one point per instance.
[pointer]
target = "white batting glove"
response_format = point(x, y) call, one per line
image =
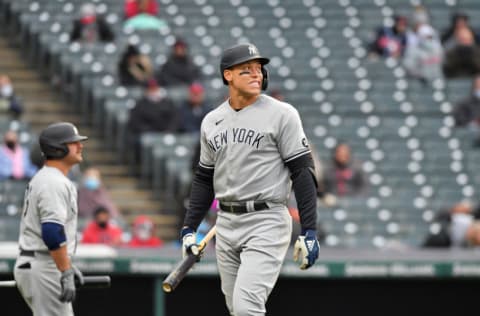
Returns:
point(306, 249)
point(189, 242)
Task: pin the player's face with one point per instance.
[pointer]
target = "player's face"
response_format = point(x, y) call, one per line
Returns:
point(247, 77)
point(74, 152)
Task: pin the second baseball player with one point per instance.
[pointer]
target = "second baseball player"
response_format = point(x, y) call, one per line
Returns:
point(44, 272)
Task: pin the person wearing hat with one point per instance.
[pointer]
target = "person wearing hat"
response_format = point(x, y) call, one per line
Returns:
point(193, 110)
point(44, 271)
point(89, 27)
point(179, 69)
point(155, 112)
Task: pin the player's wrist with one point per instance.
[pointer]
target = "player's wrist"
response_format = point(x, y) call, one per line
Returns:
point(186, 230)
point(309, 232)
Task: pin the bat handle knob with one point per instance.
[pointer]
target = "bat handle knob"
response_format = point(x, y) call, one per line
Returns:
point(195, 250)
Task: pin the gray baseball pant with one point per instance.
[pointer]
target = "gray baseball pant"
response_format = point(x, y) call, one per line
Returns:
point(250, 250)
point(40, 286)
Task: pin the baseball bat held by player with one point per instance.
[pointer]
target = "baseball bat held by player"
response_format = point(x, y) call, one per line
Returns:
point(182, 268)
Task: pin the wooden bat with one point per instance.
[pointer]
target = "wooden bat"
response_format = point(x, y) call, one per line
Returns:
point(94, 281)
point(182, 268)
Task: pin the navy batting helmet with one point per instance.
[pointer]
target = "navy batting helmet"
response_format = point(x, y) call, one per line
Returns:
point(242, 53)
point(54, 138)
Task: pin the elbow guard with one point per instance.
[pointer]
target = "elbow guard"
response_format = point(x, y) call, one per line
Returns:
point(53, 235)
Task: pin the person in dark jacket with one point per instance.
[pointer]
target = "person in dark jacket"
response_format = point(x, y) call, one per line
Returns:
point(153, 113)
point(193, 110)
point(134, 67)
point(461, 45)
point(90, 28)
point(179, 69)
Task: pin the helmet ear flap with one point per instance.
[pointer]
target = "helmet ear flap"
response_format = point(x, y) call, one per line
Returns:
point(51, 151)
point(265, 78)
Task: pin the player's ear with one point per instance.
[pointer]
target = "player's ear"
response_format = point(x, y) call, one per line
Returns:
point(228, 75)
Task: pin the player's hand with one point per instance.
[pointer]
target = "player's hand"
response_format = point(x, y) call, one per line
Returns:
point(306, 249)
point(189, 242)
point(67, 280)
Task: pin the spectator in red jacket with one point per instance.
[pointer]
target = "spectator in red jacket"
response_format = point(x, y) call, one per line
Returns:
point(144, 233)
point(101, 230)
point(134, 7)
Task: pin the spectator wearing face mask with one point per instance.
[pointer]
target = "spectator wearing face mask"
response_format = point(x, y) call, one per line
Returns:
point(15, 160)
point(9, 103)
point(101, 230)
point(90, 27)
point(92, 195)
point(179, 69)
point(144, 233)
point(423, 60)
point(155, 112)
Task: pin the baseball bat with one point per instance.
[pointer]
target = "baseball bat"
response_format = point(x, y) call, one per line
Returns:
point(90, 282)
point(182, 268)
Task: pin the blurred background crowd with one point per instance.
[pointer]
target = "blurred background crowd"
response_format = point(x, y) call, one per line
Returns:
point(388, 91)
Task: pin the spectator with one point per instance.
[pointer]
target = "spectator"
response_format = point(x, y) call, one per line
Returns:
point(153, 113)
point(419, 18)
point(9, 103)
point(92, 195)
point(135, 7)
point(344, 177)
point(144, 233)
point(134, 68)
point(459, 227)
point(101, 230)
point(90, 28)
point(192, 112)
point(462, 54)
point(423, 60)
point(391, 41)
point(15, 160)
point(179, 69)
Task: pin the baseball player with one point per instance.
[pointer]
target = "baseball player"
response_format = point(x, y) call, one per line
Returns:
point(253, 148)
point(44, 272)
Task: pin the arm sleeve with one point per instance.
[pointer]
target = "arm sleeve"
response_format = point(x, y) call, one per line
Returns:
point(201, 197)
point(53, 235)
point(53, 204)
point(305, 187)
point(202, 193)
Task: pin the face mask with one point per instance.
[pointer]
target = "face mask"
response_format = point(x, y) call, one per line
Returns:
point(102, 225)
point(7, 90)
point(143, 234)
point(91, 183)
point(155, 96)
point(11, 144)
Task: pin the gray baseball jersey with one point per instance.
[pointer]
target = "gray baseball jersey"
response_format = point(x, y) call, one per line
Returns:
point(50, 197)
point(248, 149)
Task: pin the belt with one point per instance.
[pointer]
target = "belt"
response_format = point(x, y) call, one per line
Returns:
point(27, 253)
point(239, 208)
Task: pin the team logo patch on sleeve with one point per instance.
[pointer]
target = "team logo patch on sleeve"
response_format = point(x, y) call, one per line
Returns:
point(305, 142)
